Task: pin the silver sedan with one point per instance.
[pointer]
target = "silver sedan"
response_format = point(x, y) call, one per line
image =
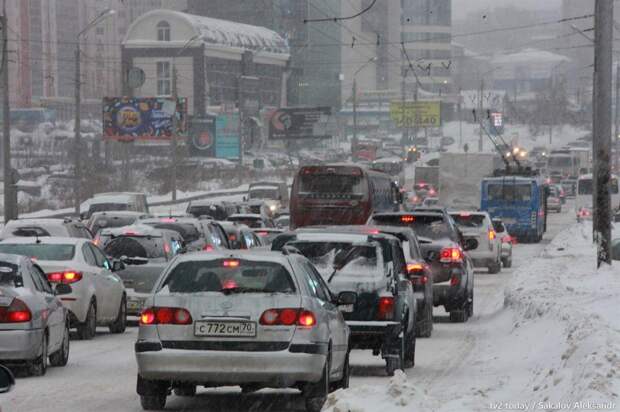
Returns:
point(34, 325)
point(254, 319)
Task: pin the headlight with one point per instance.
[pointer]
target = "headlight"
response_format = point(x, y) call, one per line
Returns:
point(273, 208)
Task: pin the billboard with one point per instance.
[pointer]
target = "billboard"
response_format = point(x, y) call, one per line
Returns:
point(415, 114)
point(301, 123)
point(202, 136)
point(143, 118)
point(227, 136)
point(496, 123)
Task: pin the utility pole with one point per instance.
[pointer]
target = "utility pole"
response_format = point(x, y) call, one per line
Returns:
point(10, 204)
point(480, 109)
point(603, 28)
point(175, 128)
point(354, 140)
point(78, 132)
point(403, 97)
point(616, 140)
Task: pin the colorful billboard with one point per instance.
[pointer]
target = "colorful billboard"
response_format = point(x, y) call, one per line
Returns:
point(227, 136)
point(301, 123)
point(415, 114)
point(201, 136)
point(143, 118)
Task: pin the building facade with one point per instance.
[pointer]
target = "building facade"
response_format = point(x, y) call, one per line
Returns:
point(206, 56)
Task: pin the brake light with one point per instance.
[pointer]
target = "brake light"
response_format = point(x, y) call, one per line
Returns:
point(492, 234)
point(288, 317)
point(96, 241)
point(385, 309)
point(230, 263)
point(508, 239)
point(232, 238)
point(451, 255)
point(407, 219)
point(432, 192)
point(166, 248)
point(168, 220)
point(130, 233)
point(67, 277)
point(208, 248)
point(165, 316)
point(414, 267)
point(17, 312)
point(229, 284)
point(465, 214)
point(454, 280)
point(262, 233)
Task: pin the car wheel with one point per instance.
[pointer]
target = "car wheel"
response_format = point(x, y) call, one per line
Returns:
point(507, 262)
point(120, 324)
point(409, 356)
point(38, 367)
point(425, 326)
point(343, 383)
point(87, 330)
point(61, 356)
point(153, 402)
point(186, 390)
point(470, 305)
point(495, 268)
point(393, 363)
point(315, 394)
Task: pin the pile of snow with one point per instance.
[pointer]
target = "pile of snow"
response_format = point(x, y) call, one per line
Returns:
point(398, 395)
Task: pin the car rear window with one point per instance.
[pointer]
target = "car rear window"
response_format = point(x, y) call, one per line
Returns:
point(325, 254)
point(103, 207)
point(8, 274)
point(216, 212)
point(30, 231)
point(248, 221)
point(39, 251)
point(430, 226)
point(139, 246)
point(228, 276)
point(468, 220)
point(188, 231)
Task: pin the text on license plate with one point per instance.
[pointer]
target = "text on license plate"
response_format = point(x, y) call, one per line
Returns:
point(225, 328)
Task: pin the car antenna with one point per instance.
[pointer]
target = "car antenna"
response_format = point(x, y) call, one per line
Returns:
point(37, 240)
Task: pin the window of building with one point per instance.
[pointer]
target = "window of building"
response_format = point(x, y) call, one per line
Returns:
point(164, 79)
point(163, 31)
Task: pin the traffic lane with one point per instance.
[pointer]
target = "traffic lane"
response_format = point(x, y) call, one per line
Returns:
point(101, 376)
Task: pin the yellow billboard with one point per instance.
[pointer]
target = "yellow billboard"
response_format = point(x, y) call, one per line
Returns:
point(415, 114)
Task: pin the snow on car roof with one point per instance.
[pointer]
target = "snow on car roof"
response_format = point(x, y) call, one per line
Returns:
point(55, 240)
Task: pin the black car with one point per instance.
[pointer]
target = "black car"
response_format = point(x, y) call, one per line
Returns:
point(444, 249)
point(371, 265)
point(190, 229)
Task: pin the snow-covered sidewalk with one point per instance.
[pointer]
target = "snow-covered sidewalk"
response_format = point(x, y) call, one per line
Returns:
point(552, 344)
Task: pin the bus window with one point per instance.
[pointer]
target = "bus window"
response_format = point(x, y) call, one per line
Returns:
point(584, 186)
point(510, 192)
point(315, 183)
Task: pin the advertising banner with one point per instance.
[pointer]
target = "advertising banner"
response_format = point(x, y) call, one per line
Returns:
point(301, 123)
point(202, 137)
point(143, 118)
point(415, 114)
point(227, 136)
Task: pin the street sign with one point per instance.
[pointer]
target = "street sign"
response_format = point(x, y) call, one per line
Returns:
point(135, 77)
point(496, 123)
point(301, 123)
point(415, 114)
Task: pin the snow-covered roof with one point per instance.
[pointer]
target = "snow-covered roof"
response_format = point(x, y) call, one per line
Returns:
point(530, 55)
point(221, 32)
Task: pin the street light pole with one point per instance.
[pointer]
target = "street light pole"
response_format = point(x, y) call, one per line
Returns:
point(354, 140)
point(78, 101)
point(10, 205)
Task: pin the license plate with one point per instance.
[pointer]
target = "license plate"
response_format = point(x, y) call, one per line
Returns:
point(225, 328)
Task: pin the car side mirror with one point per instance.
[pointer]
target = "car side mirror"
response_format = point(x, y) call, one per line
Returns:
point(63, 289)
point(118, 265)
point(498, 226)
point(7, 380)
point(470, 244)
point(346, 298)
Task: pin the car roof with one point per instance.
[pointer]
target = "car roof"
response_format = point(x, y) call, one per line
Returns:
point(249, 254)
point(246, 216)
point(50, 240)
point(42, 221)
point(467, 212)
point(119, 213)
point(338, 234)
point(416, 212)
point(138, 229)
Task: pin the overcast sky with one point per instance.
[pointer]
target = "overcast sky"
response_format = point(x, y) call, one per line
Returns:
point(461, 8)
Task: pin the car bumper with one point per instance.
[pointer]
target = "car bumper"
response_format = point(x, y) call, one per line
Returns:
point(449, 296)
point(483, 258)
point(20, 345)
point(372, 334)
point(278, 369)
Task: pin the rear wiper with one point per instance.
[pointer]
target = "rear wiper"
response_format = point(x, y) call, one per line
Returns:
point(228, 291)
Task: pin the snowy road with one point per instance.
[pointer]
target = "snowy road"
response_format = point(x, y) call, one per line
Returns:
point(101, 373)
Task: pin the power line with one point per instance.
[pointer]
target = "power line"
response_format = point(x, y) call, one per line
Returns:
point(336, 19)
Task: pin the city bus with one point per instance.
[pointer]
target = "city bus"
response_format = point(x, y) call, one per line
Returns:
point(583, 198)
point(340, 194)
point(519, 201)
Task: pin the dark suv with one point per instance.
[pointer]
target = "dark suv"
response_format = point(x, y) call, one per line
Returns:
point(444, 250)
point(373, 266)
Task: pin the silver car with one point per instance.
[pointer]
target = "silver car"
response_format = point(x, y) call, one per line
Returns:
point(254, 319)
point(478, 226)
point(34, 325)
point(98, 296)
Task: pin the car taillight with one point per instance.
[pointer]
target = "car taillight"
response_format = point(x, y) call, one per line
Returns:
point(165, 316)
point(17, 312)
point(414, 268)
point(208, 248)
point(230, 263)
point(288, 317)
point(454, 280)
point(69, 276)
point(492, 234)
point(385, 309)
point(508, 239)
point(451, 255)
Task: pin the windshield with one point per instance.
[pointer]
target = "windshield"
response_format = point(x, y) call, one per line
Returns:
point(103, 207)
point(324, 255)
point(560, 161)
point(468, 221)
point(432, 227)
point(228, 275)
point(509, 192)
point(216, 212)
point(264, 193)
point(9, 274)
point(40, 251)
point(141, 247)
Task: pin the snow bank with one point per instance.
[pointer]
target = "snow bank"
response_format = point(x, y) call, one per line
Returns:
point(398, 395)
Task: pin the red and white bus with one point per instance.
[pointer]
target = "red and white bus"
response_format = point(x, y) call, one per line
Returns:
point(340, 194)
